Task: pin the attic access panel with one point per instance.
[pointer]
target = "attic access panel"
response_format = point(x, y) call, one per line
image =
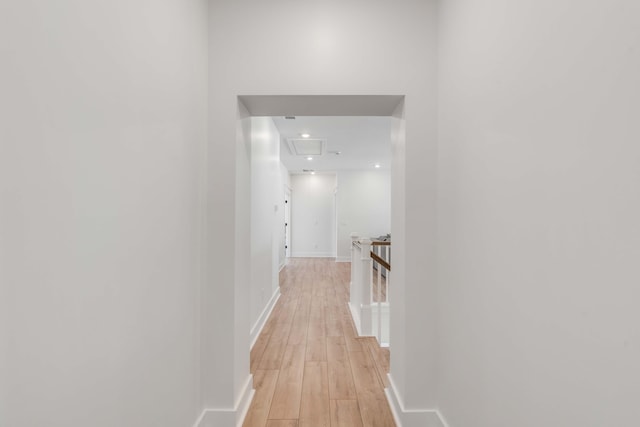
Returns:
point(307, 146)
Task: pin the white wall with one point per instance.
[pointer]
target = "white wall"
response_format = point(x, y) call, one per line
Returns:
point(382, 48)
point(363, 206)
point(539, 200)
point(102, 132)
point(313, 215)
point(267, 216)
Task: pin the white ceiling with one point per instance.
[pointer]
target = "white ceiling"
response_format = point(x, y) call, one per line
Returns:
point(362, 141)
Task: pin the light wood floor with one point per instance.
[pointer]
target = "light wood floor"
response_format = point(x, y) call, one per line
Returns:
point(309, 367)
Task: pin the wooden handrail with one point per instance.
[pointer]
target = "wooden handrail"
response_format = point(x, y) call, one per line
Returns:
point(380, 261)
point(380, 243)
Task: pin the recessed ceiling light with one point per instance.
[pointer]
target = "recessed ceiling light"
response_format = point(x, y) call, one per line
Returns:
point(305, 135)
point(377, 165)
point(313, 173)
point(309, 158)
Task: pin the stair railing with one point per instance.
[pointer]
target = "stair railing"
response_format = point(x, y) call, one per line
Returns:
point(369, 300)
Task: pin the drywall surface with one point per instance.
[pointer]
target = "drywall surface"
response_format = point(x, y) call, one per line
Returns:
point(313, 215)
point(267, 212)
point(539, 200)
point(102, 132)
point(286, 177)
point(363, 206)
point(322, 47)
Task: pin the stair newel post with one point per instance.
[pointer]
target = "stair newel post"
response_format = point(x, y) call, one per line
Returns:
point(355, 255)
point(366, 283)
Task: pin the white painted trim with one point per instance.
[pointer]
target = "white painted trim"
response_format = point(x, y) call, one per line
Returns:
point(355, 315)
point(363, 319)
point(343, 259)
point(245, 398)
point(229, 417)
point(262, 319)
point(411, 417)
point(312, 255)
point(200, 419)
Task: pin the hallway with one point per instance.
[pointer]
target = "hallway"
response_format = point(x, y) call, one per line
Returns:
point(309, 367)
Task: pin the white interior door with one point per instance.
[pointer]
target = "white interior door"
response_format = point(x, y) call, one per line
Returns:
point(287, 222)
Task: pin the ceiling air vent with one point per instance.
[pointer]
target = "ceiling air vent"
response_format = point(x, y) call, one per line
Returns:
point(307, 146)
point(290, 117)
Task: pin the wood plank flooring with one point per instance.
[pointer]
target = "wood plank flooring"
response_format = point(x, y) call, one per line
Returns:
point(310, 368)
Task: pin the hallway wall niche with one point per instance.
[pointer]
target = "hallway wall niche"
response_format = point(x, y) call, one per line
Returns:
point(378, 55)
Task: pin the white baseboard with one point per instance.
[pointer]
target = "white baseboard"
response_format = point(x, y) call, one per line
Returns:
point(343, 259)
point(355, 315)
point(313, 255)
point(411, 417)
point(262, 319)
point(229, 417)
point(362, 318)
